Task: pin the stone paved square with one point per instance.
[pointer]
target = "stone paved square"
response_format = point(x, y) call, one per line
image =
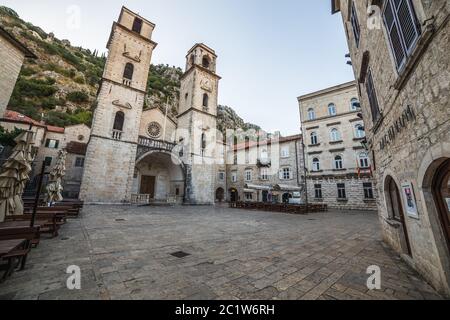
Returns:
point(124, 252)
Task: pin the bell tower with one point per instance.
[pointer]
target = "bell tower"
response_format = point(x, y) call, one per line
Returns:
point(197, 123)
point(111, 152)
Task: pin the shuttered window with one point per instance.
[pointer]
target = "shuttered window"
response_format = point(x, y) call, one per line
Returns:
point(400, 20)
point(372, 95)
point(355, 24)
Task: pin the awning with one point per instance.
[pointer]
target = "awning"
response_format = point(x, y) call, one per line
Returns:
point(284, 187)
point(254, 187)
point(249, 190)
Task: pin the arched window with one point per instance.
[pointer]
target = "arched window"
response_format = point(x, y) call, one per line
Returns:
point(332, 109)
point(338, 163)
point(137, 25)
point(354, 104)
point(359, 131)
point(335, 135)
point(206, 62)
point(205, 100)
point(316, 164)
point(119, 121)
point(364, 161)
point(311, 114)
point(192, 60)
point(128, 72)
point(314, 138)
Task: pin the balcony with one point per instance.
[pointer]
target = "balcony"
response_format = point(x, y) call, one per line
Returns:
point(117, 135)
point(126, 82)
point(156, 144)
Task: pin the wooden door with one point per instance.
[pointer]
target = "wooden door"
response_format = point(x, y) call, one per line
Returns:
point(441, 191)
point(148, 186)
point(397, 209)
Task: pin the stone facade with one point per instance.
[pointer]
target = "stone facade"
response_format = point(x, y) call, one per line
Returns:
point(405, 101)
point(266, 170)
point(110, 159)
point(12, 56)
point(49, 140)
point(335, 158)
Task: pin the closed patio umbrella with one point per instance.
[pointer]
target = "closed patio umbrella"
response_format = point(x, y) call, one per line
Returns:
point(55, 188)
point(14, 175)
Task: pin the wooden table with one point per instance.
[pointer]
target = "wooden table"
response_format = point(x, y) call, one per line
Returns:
point(8, 247)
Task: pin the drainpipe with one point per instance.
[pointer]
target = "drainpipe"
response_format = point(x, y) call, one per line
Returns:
point(304, 167)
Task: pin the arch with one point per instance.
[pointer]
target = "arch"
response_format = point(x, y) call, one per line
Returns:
point(432, 161)
point(394, 206)
point(359, 131)
point(206, 62)
point(220, 195)
point(314, 138)
point(311, 114)
point(128, 71)
point(137, 25)
point(363, 159)
point(192, 60)
point(233, 195)
point(338, 162)
point(332, 111)
point(174, 157)
point(335, 135)
point(205, 100)
point(119, 121)
point(354, 104)
point(316, 164)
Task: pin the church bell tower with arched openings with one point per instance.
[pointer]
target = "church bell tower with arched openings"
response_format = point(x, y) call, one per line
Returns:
point(197, 124)
point(111, 153)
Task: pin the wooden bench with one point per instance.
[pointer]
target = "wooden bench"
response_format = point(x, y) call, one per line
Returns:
point(54, 220)
point(21, 230)
point(69, 211)
point(10, 250)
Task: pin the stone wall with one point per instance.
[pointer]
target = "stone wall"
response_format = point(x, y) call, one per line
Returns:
point(11, 62)
point(407, 148)
point(348, 147)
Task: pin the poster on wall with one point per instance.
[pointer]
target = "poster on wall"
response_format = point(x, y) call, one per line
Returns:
point(410, 200)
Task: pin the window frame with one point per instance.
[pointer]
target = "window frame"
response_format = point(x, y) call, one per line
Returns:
point(342, 191)
point(286, 173)
point(311, 114)
point(248, 175)
point(316, 165)
point(397, 23)
point(335, 135)
point(354, 20)
point(79, 162)
point(364, 159)
point(318, 192)
point(368, 191)
point(314, 138)
point(50, 145)
point(338, 164)
point(372, 97)
point(358, 131)
point(332, 110)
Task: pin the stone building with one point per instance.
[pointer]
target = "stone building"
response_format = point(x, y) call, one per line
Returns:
point(12, 56)
point(265, 170)
point(337, 165)
point(135, 153)
point(49, 140)
point(400, 55)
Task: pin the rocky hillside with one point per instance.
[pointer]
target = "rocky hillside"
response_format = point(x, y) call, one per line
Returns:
point(60, 86)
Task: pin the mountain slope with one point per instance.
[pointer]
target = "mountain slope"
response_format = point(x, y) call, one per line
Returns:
point(60, 86)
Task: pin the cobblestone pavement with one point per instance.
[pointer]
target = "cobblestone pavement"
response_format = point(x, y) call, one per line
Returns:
point(125, 253)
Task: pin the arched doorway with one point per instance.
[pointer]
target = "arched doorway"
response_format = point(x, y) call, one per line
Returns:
point(441, 193)
point(220, 194)
point(233, 195)
point(265, 196)
point(395, 209)
point(160, 176)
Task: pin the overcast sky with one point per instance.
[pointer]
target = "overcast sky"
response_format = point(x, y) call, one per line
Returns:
point(270, 52)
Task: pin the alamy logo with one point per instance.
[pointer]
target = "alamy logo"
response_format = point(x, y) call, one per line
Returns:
point(74, 280)
point(73, 21)
point(374, 281)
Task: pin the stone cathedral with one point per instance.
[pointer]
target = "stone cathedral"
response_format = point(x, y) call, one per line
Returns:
point(135, 151)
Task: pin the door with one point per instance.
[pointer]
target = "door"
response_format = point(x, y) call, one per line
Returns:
point(265, 196)
point(148, 186)
point(233, 195)
point(441, 191)
point(397, 210)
